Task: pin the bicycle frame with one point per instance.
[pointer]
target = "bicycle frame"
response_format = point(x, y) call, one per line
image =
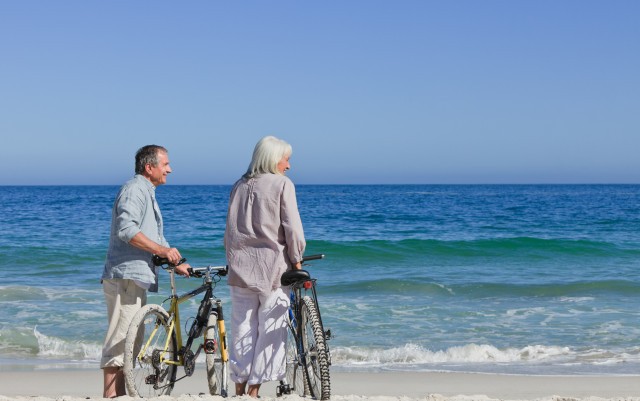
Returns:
point(174, 323)
point(294, 309)
point(174, 312)
point(297, 295)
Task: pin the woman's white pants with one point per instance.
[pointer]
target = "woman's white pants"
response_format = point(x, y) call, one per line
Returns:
point(258, 335)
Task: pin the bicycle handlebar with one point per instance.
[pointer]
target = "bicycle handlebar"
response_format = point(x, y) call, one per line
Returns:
point(312, 257)
point(159, 261)
point(220, 270)
point(199, 271)
point(193, 271)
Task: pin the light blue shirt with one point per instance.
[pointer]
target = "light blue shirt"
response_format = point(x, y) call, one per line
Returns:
point(134, 210)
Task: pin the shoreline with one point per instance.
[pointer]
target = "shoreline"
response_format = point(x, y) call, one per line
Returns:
point(347, 386)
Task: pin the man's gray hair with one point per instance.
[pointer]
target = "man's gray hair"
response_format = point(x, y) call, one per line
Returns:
point(148, 155)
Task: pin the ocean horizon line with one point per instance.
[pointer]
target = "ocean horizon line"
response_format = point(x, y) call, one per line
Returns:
point(355, 184)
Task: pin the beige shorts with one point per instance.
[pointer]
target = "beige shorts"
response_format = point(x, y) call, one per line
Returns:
point(124, 298)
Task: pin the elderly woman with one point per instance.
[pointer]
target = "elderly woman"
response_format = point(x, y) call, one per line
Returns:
point(263, 239)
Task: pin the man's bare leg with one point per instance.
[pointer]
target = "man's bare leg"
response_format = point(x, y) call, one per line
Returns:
point(113, 382)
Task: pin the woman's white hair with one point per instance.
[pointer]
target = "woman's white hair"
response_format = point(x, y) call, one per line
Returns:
point(266, 156)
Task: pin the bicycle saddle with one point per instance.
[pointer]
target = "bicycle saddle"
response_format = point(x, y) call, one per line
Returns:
point(293, 276)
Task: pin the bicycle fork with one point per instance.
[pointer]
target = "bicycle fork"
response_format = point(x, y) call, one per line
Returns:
point(210, 345)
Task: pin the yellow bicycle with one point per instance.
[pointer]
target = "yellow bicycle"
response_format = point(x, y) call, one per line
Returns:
point(154, 349)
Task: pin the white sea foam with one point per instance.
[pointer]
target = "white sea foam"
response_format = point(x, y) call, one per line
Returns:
point(59, 348)
point(87, 314)
point(524, 312)
point(575, 299)
point(449, 290)
point(470, 353)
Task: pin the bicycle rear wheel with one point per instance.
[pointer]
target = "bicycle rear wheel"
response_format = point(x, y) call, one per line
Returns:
point(315, 352)
point(215, 347)
point(148, 345)
point(295, 368)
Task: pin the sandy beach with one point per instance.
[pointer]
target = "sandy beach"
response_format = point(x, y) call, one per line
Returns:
point(72, 385)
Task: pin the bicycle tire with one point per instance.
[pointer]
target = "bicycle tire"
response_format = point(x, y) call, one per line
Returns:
point(316, 356)
point(217, 368)
point(145, 376)
point(294, 366)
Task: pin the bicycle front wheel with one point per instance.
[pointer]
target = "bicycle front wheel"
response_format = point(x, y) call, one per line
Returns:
point(215, 346)
point(150, 355)
point(315, 351)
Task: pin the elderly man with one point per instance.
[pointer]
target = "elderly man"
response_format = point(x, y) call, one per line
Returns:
point(136, 235)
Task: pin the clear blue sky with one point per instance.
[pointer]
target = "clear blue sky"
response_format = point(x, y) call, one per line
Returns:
point(544, 91)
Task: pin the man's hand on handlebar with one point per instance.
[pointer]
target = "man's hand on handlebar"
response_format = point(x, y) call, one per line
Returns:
point(171, 254)
point(174, 257)
point(183, 269)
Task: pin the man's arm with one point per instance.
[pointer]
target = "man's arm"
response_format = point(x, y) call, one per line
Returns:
point(141, 241)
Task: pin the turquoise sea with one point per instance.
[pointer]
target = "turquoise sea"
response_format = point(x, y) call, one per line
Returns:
point(534, 279)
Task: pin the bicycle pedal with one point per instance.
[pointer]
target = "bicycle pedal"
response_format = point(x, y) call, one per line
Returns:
point(283, 389)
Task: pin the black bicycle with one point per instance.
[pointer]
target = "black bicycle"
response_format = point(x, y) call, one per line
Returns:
point(308, 355)
point(154, 347)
